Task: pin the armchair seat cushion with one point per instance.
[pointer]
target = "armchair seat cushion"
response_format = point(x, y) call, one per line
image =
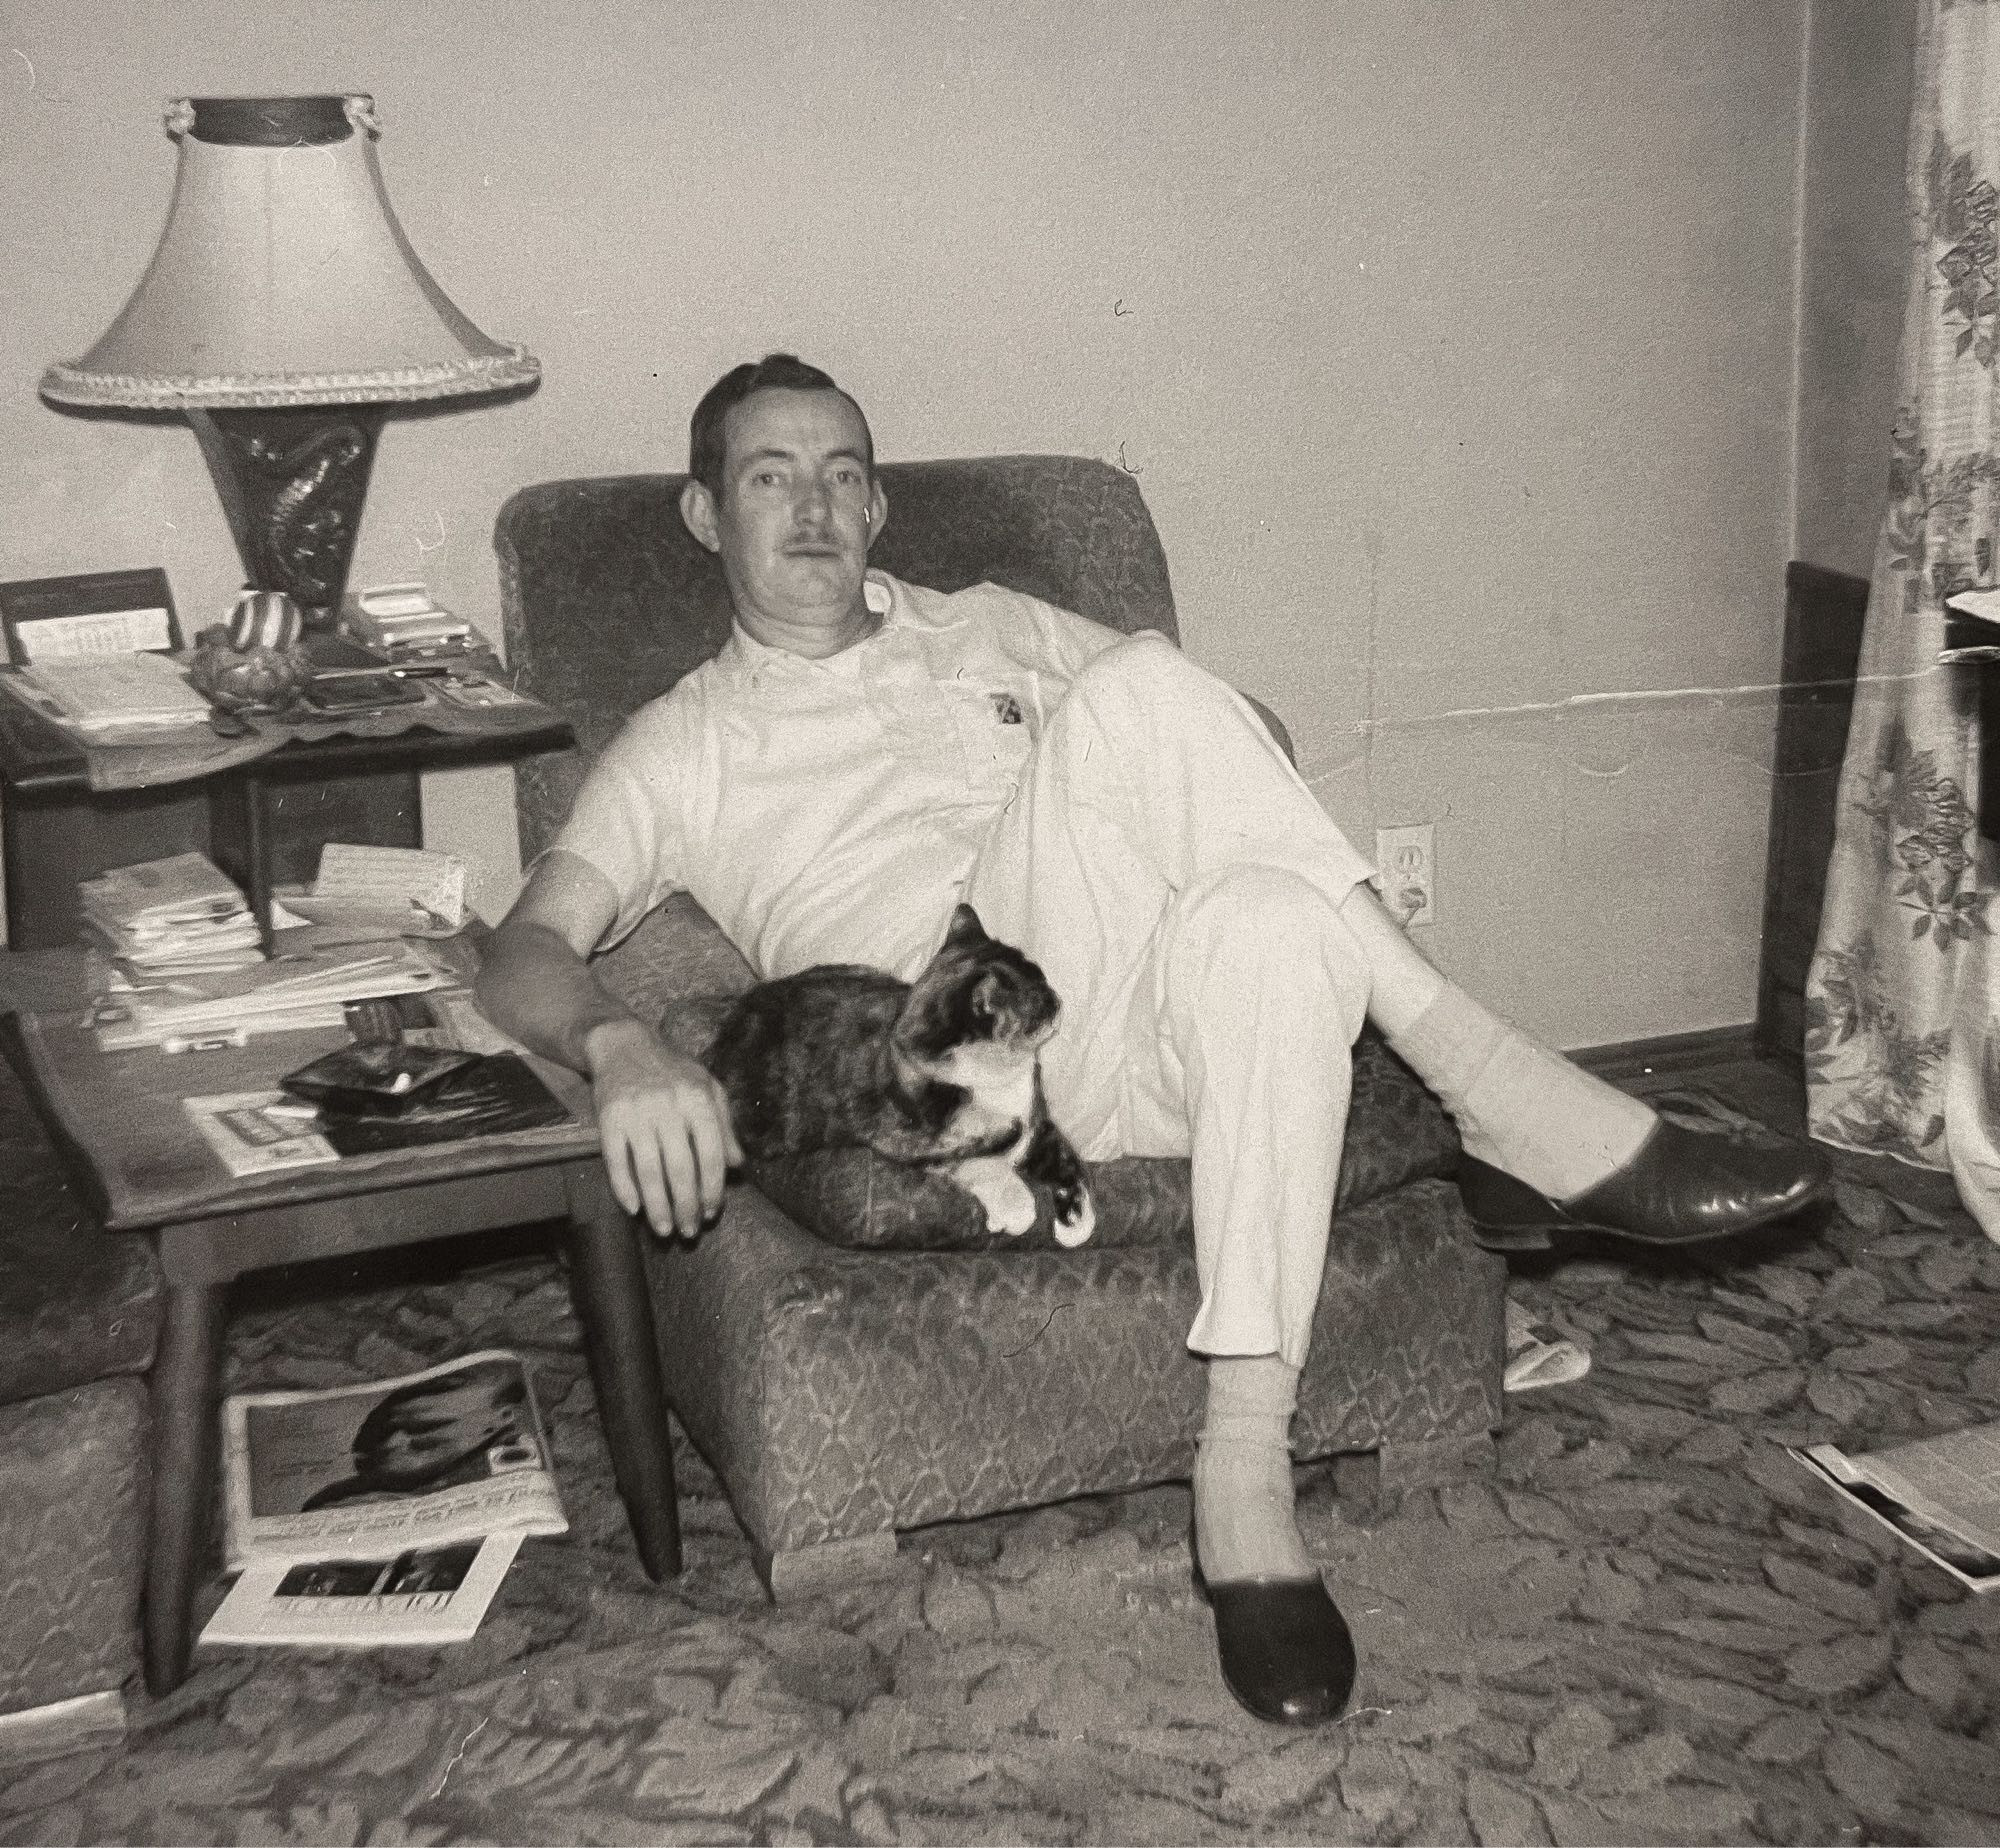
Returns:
point(1397, 1132)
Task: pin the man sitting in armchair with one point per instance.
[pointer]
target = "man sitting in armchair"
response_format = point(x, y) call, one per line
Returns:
point(864, 753)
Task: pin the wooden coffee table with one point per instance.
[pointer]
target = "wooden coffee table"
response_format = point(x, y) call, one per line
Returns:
point(119, 1121)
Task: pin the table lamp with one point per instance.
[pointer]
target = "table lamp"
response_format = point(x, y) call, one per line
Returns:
point(283, 313)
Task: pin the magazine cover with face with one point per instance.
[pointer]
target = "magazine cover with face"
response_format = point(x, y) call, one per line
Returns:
point(375, 1471)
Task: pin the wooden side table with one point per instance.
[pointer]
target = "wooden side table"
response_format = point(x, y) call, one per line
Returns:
point(118, 1118)
point(262, 819)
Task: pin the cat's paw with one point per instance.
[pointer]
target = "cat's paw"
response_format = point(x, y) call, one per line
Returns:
point(1076, 1217)
point(1007, 1201)
point(1013, 1212)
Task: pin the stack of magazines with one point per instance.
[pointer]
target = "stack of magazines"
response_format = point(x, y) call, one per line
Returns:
point(304, 989)
point(384, 1513)
point(177, 916)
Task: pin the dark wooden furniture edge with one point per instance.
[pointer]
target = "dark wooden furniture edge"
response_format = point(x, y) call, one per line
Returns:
point(1668, 1052)
point(38, 757)
point(14, 1046)
point(1824, 613)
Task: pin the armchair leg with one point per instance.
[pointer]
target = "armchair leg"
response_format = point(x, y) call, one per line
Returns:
point(1429, 1463)
point(805, 1571)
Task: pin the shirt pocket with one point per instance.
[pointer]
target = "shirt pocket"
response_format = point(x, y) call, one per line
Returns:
point(994, 716)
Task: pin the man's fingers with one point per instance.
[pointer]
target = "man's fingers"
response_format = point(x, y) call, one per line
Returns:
point(731, 1146)
point(618, 1170)
point(668, 1151)
point(650, 1173)
point(683, 1180)
point(711, 1163)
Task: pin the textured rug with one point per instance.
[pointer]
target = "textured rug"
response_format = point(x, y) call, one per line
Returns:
point(1649, 1625)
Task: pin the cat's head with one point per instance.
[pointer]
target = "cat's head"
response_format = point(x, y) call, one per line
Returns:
point(978, 997)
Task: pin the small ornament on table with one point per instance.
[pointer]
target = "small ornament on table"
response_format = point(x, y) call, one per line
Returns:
point(254, 662)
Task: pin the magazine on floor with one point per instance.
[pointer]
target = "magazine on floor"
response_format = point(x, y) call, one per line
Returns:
point(427, 1595)
point(1940, 1495)
point(376, 1472)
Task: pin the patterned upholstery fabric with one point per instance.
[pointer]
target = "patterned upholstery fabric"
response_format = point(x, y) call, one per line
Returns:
point(72, 1523)
point(76, 1304)
point(844, 1392)
point(841, 1392)
point(79, 1314)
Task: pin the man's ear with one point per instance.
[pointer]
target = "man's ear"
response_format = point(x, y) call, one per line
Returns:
point(698, 514)
point(878, 512)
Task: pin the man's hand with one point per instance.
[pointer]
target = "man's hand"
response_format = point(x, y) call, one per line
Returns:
point(664, 1123)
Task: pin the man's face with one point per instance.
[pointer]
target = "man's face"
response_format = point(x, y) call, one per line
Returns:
point(434, 1432)
point(795, 518)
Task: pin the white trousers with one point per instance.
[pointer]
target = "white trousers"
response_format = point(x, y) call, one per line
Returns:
point(1180, 887)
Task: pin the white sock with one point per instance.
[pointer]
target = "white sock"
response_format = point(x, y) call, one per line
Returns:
point(1243, 1518)
point(1519, 1106)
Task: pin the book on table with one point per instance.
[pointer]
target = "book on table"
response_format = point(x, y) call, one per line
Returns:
point(102, 694)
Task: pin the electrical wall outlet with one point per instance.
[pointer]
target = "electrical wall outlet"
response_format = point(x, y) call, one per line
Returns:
point(1406, 863)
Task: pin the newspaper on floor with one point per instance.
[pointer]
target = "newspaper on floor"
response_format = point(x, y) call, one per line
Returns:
point(428, 1595)
point(1538, 1354)
point(374, 1472)
point(1940, 1495)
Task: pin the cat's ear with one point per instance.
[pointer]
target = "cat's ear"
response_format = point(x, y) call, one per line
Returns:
point(965, 928)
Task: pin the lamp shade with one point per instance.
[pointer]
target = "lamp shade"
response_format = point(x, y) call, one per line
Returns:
point(282, 278)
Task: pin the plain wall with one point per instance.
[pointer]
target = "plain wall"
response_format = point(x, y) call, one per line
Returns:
point(1453, 348)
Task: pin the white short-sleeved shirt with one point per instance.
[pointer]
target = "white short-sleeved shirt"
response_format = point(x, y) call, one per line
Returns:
point(829, 811)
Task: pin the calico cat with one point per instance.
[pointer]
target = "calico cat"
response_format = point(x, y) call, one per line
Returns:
point(940, 1073)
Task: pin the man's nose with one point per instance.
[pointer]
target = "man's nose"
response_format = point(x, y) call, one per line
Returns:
point(812, 505)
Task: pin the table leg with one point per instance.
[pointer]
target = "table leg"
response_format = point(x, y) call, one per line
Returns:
point(186, 1396)
point(608, 1283)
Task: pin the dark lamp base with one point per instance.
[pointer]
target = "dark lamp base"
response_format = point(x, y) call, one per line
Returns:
point(292, 483)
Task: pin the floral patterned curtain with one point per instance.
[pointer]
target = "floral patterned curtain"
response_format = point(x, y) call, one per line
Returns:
point(1903, 903)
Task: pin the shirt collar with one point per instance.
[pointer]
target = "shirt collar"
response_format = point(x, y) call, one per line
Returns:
point(744, 654)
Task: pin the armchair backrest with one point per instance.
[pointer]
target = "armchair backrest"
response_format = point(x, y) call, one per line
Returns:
point(608, 600)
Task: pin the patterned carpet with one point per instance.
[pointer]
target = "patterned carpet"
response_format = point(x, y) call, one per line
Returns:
point(1649, 1625)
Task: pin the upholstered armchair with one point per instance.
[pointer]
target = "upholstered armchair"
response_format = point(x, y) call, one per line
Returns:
point(848, 1347)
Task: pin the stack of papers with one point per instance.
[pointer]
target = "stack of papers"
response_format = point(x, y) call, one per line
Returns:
point(370, 892)
point(115, 692)
point(178, 916)
point(400, 621)
point(1940, 1495)
point(310, 989)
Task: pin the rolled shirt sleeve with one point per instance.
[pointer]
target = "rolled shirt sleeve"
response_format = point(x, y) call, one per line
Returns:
point(629, 821)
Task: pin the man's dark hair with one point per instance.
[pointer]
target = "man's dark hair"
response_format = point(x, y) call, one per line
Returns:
point(707, 446)
point(506, 1386)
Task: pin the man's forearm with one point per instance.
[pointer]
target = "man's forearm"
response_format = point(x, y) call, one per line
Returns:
point(534, 986)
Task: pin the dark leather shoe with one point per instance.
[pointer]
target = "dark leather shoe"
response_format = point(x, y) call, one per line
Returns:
point(1680, 1188)
point(1283, 1645)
